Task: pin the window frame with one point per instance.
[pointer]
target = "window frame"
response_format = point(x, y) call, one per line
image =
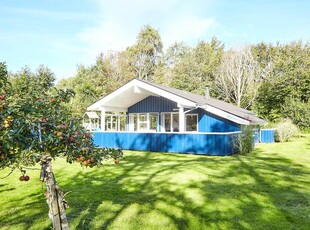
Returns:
point(191, 114)
point(113, 122)
point(163, 125)
point(135, 122)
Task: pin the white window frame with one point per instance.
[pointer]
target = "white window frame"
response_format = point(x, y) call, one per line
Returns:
point(145, 122)
point(163, 126)
point(139, 122)
point(114, 126)
point(191, 114)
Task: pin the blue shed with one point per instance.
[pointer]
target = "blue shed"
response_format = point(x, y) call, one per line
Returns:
point(142, 115)
point(267, 135)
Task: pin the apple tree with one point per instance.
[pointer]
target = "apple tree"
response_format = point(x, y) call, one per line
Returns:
point(37, 127)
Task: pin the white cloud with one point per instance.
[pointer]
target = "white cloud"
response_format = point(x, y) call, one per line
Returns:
point(189, 30)
point(116, 24)
point(120, 21)
point(108, 35)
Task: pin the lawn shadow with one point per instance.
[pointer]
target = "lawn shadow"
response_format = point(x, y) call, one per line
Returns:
point(25, 211)
point(158, 183)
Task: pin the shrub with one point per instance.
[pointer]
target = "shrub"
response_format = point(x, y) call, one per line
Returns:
point(285, 130)
point(298, 111)
point(245, 140)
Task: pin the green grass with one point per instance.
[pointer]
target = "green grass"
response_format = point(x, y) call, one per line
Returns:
point(268, 189)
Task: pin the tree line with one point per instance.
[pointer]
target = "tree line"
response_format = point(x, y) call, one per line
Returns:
point(272, 80)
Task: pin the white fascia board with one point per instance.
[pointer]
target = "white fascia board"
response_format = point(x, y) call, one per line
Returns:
point(165, 94)
point(226, 115)
point(100, 103)
point(136, 85)
point(114, 109)
point(186, 106)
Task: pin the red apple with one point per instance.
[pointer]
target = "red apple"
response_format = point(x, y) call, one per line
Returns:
point(70, 139)
point(87, 135)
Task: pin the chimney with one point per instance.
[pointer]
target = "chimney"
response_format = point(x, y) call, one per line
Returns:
point(207, 93)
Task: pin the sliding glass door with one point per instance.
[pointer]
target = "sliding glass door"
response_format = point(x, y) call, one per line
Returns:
point(171, 122)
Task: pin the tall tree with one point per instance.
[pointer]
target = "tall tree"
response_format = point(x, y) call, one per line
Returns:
point(25, 81)
point(174, 55)
point(146, 53)
point(289, 76)
point(110, 71)
point(196, 68)
point(238, 77)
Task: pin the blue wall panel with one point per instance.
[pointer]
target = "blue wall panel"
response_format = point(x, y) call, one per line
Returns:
point(208, 122)
point(207, 144)
point(153, 104)
point(267, 135)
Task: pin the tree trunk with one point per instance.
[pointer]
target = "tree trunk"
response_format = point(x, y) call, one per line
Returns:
point(54, 196)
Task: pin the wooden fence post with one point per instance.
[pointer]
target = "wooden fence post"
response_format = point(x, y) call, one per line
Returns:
point(54, 196)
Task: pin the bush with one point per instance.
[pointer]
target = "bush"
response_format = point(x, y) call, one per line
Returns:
point(298, 111)
point(285, 130)
point(245, 140)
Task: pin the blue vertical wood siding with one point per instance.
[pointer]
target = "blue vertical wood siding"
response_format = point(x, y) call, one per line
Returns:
point(267, 135)
point(153, 104)
point(207, 122)
point(207, 144)
point(256, 136)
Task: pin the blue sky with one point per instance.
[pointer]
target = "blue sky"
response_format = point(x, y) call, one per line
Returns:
point(67, 33)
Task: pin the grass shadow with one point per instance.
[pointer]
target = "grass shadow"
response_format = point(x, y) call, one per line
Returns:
point(267, 189)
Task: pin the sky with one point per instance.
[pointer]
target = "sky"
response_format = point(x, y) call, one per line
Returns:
point(63, 34)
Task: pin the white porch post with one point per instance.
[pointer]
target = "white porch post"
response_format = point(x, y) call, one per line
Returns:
point(102, 119)
point(181, 119)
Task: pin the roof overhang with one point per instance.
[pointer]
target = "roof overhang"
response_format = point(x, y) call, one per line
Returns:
point(91, 115)
point(225, 115)
point(133, 92)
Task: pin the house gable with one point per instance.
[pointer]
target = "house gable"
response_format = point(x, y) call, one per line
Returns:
point(132, 93)
point(153, 104)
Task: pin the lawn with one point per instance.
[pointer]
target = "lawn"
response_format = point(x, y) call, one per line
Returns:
point(268, 189)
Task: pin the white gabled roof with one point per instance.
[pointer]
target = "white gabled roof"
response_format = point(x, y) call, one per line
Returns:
point(136, 90)
point(133, 92)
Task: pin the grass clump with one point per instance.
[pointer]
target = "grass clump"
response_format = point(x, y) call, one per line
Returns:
point(245, 140)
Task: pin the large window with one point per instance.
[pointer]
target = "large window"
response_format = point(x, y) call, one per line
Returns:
point(153, 121)
point(171, 122)
point(191, 122)
point(115, 122)
point(143, 122)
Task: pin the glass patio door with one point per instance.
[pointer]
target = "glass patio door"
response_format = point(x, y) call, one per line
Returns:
point(171, 122)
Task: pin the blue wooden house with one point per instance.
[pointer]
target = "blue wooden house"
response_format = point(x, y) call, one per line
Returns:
point(142, 115)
